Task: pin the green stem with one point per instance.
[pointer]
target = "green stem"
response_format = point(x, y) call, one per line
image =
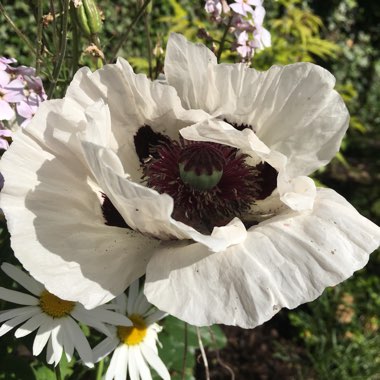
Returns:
point(149, 43)
point(57, 371)
point(39, 36)
point(54, 25)
point(17, 30)
point(99, 371)
point(62, 51)
point(184, 360)
point(223, 40)
point(74, 44)
point(124, 36)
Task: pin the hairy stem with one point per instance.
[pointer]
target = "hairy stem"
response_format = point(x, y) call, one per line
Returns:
point(62, 50)
point(203, 352)
point(223, 40)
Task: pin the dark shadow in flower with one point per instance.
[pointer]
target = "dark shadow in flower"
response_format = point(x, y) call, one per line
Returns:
point(268, 176)
point(111, 215)
point(146, 141)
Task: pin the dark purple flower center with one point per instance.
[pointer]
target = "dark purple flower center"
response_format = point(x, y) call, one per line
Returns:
point(210, 183)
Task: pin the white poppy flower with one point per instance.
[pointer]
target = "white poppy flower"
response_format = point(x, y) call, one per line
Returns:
point(134, 348)
point(201, 183)
point(53, 318)
point(288, 121)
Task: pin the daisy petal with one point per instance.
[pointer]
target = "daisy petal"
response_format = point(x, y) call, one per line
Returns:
point(10, 324)
point(23, 279)
point(50, 351)
point(143, 368)
point(105, 347)
point(112, 368)
point(122, 363)
point(133, 292)
point(285, 261)
point(79, 340)
point(32, 324)
point(42, 337)
point(8, 314)
point(134, 372)
point(156, 316)
point(68, 345)
point(85, 316)
point(17, 297)
point(56, 342)
point(155, 362)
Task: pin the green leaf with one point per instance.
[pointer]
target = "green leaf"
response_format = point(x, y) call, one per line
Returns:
point(172, 339)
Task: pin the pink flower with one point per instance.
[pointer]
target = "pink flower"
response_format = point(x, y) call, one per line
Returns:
point(28, 108)
point(10, 92)
point(243, 6)
point(214, 8)
point(4, 63)
point(5, 134)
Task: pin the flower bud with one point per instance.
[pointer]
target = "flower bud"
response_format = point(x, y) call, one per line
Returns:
point(88, 17)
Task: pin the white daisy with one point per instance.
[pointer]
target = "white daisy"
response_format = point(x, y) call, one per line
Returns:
point(53, 318)
point(134, 348)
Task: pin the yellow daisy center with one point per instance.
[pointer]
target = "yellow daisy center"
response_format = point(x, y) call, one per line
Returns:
point(135, 334)
point(55, 306)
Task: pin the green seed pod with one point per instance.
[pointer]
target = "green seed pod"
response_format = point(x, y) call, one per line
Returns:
point(88, 17)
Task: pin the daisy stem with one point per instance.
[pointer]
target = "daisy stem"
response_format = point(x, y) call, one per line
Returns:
point(125, 35)
point(223, 40)
point(184, 352)
point(99, 371)
point(57, 371)
point(203, 352)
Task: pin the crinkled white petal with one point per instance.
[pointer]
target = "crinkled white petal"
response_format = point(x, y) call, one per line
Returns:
point(134, 101)
point(285, 261)
point(292, 109)
point(148, 211)
point(53, 208)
